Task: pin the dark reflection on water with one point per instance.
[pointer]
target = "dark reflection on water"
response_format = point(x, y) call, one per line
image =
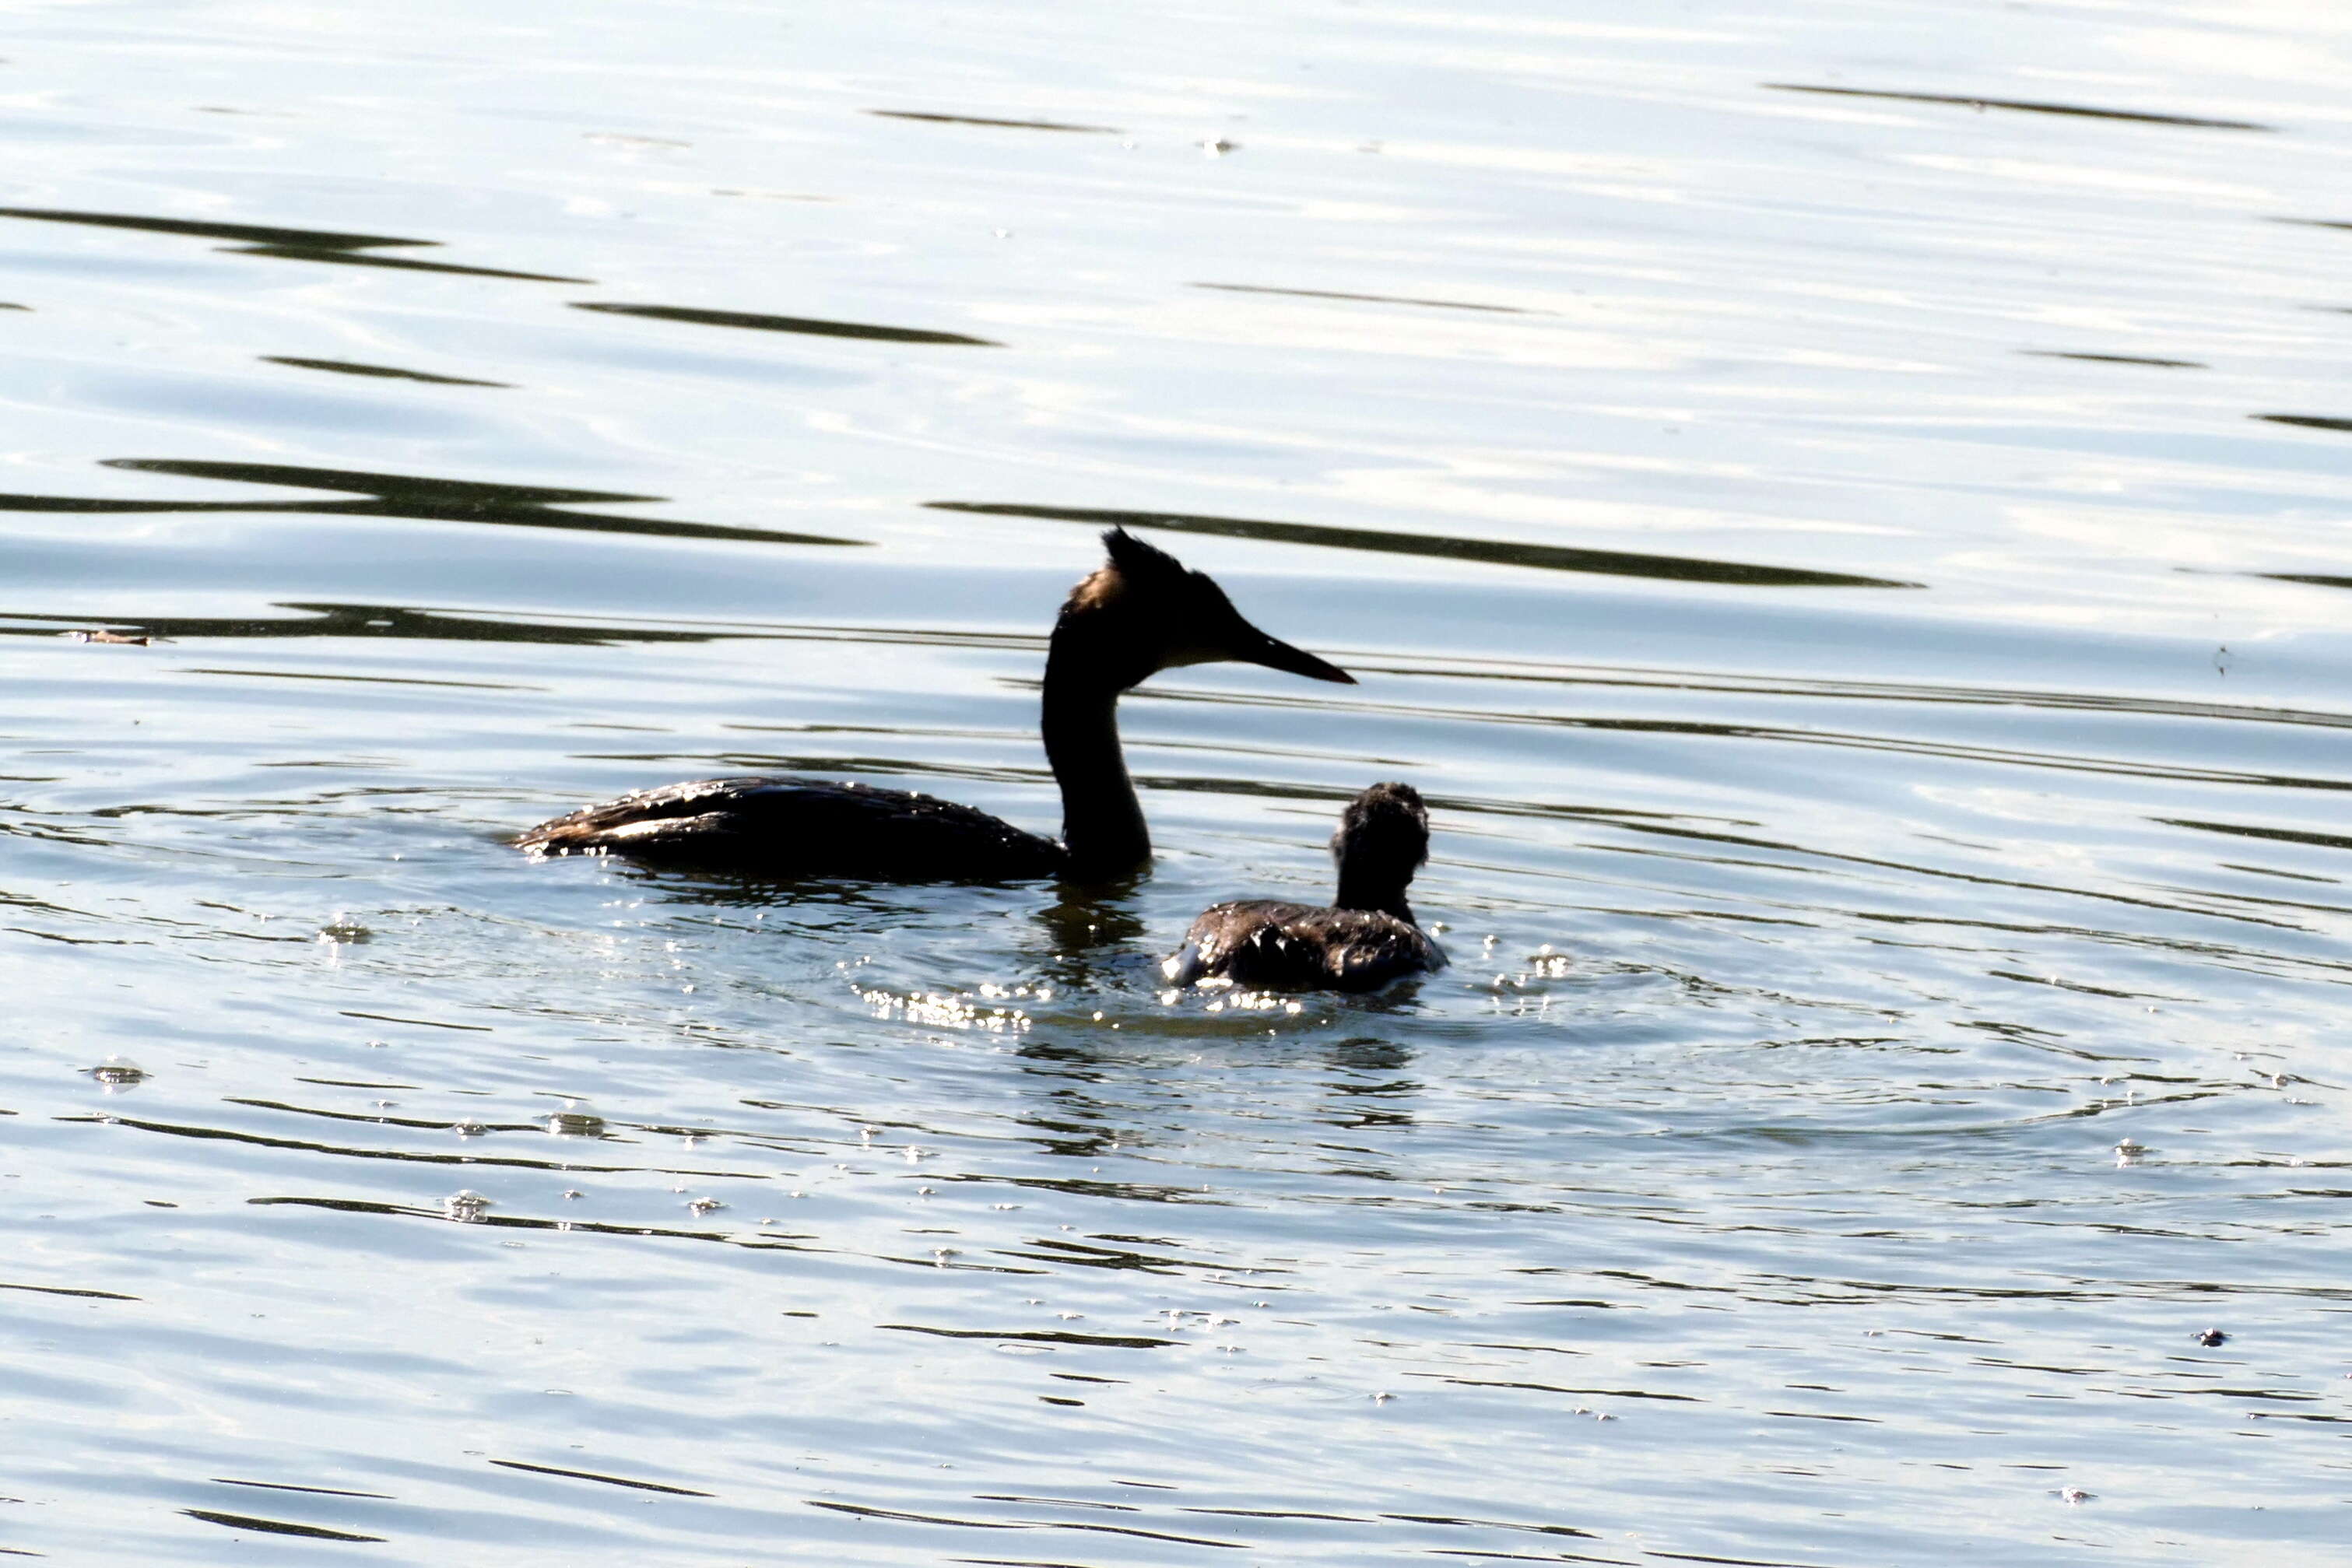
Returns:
point(1089, 933)
point(287, 1486)
point(402, 263)
point(66, 1290)
point(2307, 420)
point(289, 244)
point(598, 1476)
point(1037, 1336)
point(411, 496)
point(1497, 552)
point(2118, 359)
point(984, 119)
point(864, 1512)
point(251, 234)
point(2030, 106)
point(1088, 1255)
point(801, 324)
point(2246, 831)
point(347, 368)
point(328, 620)
point(259, 1140)
point(274, 1526)
point(522, 1222)
point(1369, 298)
point(707, 887)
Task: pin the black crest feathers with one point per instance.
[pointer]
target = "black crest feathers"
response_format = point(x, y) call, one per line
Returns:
point(1138, 560)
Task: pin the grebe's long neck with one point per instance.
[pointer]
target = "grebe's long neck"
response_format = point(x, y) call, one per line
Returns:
point(1373, 888)
point(1102, 821)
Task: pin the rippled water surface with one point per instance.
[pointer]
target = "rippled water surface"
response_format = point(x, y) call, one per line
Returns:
point(1839, 506)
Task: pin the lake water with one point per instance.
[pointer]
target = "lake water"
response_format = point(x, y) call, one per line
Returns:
point(1839, 507)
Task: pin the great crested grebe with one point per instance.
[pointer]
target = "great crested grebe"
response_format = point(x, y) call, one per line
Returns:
point(1364, 939)
point(1142, 613)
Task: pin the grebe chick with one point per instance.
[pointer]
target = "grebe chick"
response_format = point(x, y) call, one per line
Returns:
point(1140, 613)
point(1362, 941)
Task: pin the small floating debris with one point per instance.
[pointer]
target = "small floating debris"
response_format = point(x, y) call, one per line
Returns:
point(467, 1128)
point(341, 931)
point(121, 639)
point(2075, 1496)
point(575, 1120)
point(465, 1205)
point(705, 1205)
point(1217, 147)
point(119, 1072)
point(2211, 1339)
point(2128, 1151)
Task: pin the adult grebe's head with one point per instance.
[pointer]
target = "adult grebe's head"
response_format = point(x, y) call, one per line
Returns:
point(1144, 611)
point(1383, 838)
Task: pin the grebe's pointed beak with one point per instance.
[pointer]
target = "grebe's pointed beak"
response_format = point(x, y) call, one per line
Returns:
point(1259, 648)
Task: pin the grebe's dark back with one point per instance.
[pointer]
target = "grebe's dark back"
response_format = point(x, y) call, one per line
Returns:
point(1364, 939)
point(1140, 613)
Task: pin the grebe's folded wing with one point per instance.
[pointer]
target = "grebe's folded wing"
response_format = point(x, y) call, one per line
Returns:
point(1264, 946)
point(1364, 950)
point(1220, 931)
point(802, 827)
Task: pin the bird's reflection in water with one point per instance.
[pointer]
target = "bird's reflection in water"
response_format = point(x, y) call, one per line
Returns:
point(1092, 933)
point(724, 890)
point(1365, 1055)
point(1367, 1068)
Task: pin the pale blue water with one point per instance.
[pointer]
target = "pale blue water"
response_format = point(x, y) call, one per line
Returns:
point(1859, 577)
